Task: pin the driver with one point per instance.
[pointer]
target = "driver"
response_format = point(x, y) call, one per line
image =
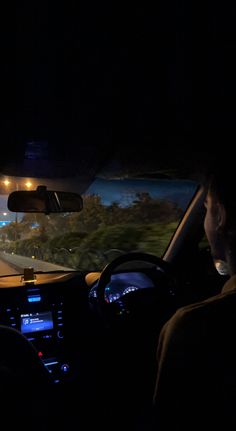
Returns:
point(196, 378)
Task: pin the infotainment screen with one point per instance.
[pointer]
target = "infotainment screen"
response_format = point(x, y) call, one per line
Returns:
point(34, 322)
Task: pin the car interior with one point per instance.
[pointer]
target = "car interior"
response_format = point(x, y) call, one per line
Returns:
point(82, 339)
point(110, 119)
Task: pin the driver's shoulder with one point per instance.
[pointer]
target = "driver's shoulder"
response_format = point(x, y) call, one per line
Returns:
point(198, 315)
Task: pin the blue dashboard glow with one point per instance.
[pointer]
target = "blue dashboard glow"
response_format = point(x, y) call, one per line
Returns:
point(34, 322)
point(34, 298)
point(125, 279)
point(123, 283)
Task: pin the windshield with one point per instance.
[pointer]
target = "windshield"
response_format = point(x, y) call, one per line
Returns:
point(119, 216)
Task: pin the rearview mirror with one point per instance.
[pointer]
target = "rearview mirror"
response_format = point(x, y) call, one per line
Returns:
point(45, 201)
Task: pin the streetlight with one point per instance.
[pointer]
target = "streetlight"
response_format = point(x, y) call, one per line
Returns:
point(6, 182)
point(28, 184)
point(3, 221)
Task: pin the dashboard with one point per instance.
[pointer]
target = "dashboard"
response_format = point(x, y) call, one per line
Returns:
point(59, 314)
point(121, 284)
point(43, 312)
point(86, 351)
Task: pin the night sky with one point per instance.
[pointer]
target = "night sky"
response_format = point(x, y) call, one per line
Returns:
point(98, 76)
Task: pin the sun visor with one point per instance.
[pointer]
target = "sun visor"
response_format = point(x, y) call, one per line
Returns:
point(70, 164)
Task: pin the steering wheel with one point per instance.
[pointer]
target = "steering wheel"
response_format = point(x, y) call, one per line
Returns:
point(108, 270)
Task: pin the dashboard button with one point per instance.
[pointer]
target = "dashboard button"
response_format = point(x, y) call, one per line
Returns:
point(60, 334)
point(65, 368)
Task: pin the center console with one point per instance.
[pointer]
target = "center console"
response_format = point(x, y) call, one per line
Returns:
point(40, 318)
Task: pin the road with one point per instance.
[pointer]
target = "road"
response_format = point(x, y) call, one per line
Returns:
point(21, 262)
point(6, 269)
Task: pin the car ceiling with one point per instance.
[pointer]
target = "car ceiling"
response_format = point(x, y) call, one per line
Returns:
point(86, 163)
point(114, 91)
